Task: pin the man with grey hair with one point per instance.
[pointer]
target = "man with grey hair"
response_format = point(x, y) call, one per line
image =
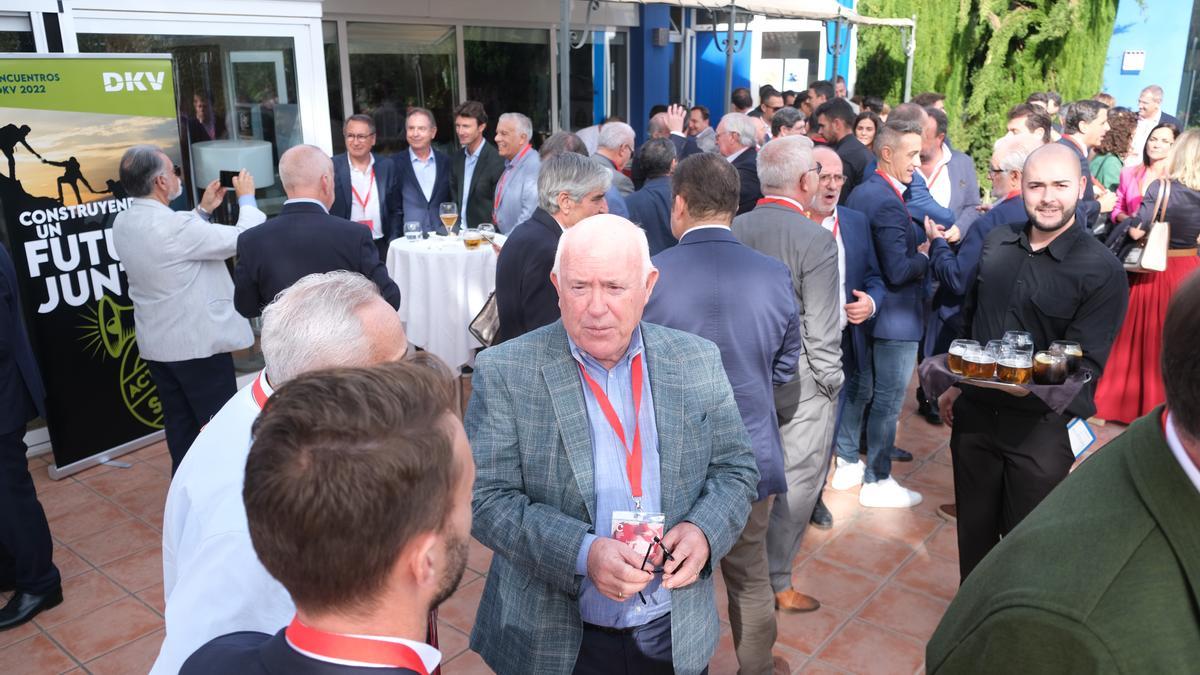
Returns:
point(805, 406)
point(788, 121)
point(571, 187)
point(213, 582)
point(566, 141)
point(737, 142)
point(181, 292)
point(615, 150)
point(304, 238)
point(516, 191)
point(1150, 115)
point(580, 533)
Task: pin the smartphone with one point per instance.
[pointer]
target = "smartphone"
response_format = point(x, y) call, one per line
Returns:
point(227, 178)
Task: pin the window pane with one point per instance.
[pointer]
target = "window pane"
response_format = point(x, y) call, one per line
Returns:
point(16, 41)
point(508, 70)
point(333, 78)
point(394, 66)
point(230, 87)
point(794, 45)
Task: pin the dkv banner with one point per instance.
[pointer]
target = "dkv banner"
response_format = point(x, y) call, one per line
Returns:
point(65, 121)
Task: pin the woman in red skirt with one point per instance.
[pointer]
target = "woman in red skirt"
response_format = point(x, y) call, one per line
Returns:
point(1131, 385)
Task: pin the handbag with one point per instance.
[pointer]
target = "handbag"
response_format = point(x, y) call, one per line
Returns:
point(486, 323)
point(1150, 254)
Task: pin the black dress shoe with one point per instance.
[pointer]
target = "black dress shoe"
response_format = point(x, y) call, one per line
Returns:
point(899, 455)
point(821, 518)
point(24, 606)
point(929, 411)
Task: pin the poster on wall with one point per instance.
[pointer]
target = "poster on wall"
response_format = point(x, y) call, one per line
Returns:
point(65, 121)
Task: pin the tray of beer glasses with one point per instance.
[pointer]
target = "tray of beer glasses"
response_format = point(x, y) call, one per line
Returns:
point(1010, 365)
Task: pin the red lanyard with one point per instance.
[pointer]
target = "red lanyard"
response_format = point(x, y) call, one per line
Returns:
point(779, 201)
point(899, 195)
point(1010, 195)
point(934, 178)
point(256, 390)
point(362, 201)
point(633, 459)
point(504, 178)
point(350, 648)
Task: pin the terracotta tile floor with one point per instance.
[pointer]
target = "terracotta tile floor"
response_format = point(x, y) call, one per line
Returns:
point(884, 576)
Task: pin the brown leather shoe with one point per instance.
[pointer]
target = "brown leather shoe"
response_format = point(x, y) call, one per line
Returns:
point(792, 600)
point(948, 512)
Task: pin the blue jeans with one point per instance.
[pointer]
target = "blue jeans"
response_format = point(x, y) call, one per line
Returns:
point(856, 394)
point(893, 362)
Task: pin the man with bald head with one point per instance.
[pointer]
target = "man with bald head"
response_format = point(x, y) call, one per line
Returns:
point(613, 473)
point(304, 238)
point(1049, 277)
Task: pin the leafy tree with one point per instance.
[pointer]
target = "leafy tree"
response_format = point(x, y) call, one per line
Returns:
point(986, 56)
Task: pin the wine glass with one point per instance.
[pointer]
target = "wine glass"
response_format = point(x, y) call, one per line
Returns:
point(448, 212)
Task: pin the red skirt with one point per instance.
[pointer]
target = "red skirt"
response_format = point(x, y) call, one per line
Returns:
point(1132, 383)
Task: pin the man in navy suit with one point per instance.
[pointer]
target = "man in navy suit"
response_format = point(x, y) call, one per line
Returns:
point(1084, 125)
point(571, 187)
point(365, 185)
point(304, 238)
point(25, 545)
point(399, 468)
point(702, 290)
point(650, 207)
point(736, 142)
point(424, 173)
point(903, 260)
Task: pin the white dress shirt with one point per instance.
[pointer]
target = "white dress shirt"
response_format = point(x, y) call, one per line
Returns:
point(1140, 135)
point(1181, 455)
point(213, 581)
point(426, 172)
point(938, 181)
point(735, 155)
point(828, 223)
point(363, 184)
point(181, 290)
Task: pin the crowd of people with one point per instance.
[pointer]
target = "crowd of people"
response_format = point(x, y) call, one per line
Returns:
point(693, 333)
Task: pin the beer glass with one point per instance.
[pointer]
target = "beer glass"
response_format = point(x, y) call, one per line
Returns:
point(1072, 350)
point(978, 363)
point(448, 212)
point(1014, 367)
point(472, 238)
point(1049, 367)
point(954, 357)
point(412, 230)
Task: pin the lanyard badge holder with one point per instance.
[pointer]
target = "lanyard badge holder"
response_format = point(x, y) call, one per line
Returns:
point(638, 528)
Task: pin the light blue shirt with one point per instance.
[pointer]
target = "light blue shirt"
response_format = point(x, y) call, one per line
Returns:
point(613, 492)
point(472, 158)
point(426, 172)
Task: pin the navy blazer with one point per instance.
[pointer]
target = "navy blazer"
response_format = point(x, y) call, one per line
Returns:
point(920, 204)
point(650, 209)
point(482, 190)
point(685, 146)
point(862, 274)
point(21, 386)
point(902, 315)
point(747, 168)
point(702, 289)
point(253, 653)
point(858, 162)
point(391, 210)
point(412, 199)
point(955, 272)
point(1089, 206)
point(525, 298)
point(303, 240)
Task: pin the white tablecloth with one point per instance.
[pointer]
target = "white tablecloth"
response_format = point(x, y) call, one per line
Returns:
point(442, 287)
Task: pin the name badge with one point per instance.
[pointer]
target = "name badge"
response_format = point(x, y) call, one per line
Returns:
point(638, 529)
point(368, 222)
point(1081, 435)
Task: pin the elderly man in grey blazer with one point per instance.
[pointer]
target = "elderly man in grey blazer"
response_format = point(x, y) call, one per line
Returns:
point(182, 293)
point(516, 192)
point(613, 473)
point(807, 405)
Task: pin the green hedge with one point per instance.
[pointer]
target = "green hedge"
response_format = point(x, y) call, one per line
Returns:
point(986, 56)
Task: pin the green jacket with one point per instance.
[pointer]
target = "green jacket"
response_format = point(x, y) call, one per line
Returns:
point(1102, 577)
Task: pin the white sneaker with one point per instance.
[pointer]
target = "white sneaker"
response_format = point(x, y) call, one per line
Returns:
point(847, 474)
point(887, 494)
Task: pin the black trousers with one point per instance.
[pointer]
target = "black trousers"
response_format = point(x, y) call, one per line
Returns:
point(25, 547)
point(381, 245)
point(191, 392)
point(1006, 460)
point(642, 650)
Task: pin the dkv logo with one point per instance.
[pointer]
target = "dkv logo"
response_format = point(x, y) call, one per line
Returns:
point(133, 81)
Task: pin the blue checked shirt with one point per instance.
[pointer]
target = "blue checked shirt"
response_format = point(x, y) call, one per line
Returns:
point(613, 492)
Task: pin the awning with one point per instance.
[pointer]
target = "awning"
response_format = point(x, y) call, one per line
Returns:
point(822, 10)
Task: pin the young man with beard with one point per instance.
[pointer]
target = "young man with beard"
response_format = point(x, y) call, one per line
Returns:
point(380, 448)
point(1052, 279)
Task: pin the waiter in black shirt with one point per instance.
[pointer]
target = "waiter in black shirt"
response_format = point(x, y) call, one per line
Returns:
point(1057, 282)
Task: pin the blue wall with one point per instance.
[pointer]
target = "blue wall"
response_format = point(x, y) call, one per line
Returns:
point(649, 67)
point(844, 55)
point(1161, 30)
point(710, 71)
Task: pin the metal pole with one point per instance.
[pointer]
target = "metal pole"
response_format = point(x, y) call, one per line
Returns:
point(729, 53)
point(837, 47)
point(564, 65)
point(910, 48)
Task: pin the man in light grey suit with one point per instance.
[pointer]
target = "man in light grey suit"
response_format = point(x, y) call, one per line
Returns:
point(182, 293)
point(807, 405)
point(614, 150)
point(516, 191)
point(586, 433)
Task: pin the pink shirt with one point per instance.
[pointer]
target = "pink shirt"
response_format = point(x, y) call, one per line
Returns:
point(1130, 190)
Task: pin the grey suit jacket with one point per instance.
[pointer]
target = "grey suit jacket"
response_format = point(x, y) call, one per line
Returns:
point(811, 253)
point(519, 195)
point(623, 183)
point(964, 191)
point(535, 490)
